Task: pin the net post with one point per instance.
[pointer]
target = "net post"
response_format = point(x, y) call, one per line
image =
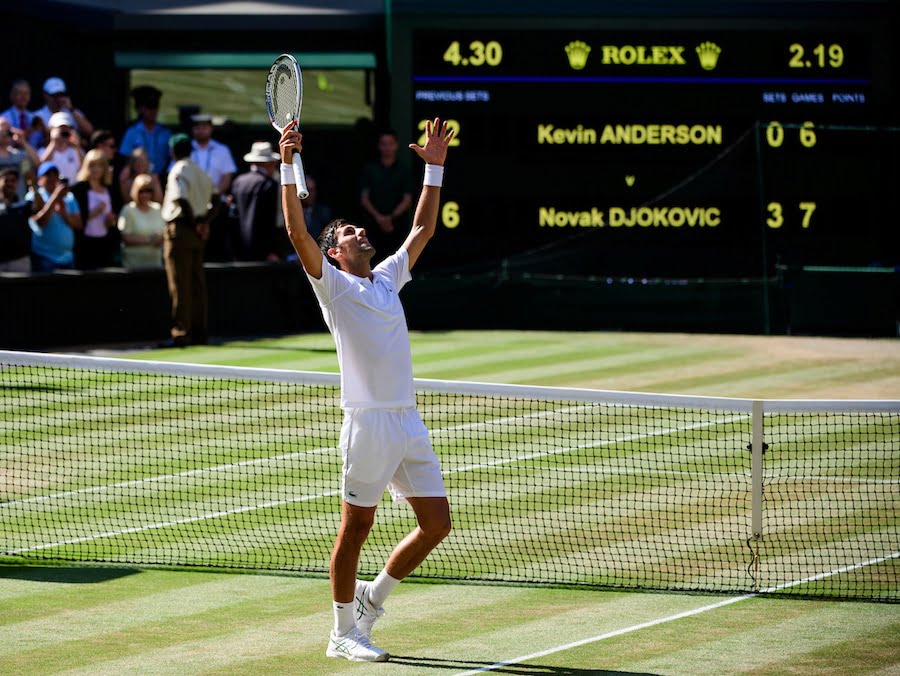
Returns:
point(757, 447)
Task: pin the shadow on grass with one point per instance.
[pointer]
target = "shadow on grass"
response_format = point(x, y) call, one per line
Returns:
point(503, 668)
point(65, 574)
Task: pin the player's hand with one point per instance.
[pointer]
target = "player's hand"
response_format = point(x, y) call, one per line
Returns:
point(437, 140)
point(290, 143)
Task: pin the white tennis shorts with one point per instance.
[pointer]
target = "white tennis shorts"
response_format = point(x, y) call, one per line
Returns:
point(387, 448)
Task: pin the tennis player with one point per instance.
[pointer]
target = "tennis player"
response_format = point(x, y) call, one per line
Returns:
point(384, 442)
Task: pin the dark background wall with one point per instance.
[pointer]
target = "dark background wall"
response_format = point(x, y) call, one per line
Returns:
point(78, 41)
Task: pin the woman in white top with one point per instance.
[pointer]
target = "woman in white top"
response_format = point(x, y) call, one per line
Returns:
point(142, 226)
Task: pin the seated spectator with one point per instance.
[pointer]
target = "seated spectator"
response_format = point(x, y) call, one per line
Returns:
point(53, 227)
point(142, 226)
point(317, 215)
point(146, 132)
point(64, 149)
point(15, 230)
point(138, 163)
point(57, 100)
point(256, 197)
point(98, 245)
point(16, 152)
point(20, 117)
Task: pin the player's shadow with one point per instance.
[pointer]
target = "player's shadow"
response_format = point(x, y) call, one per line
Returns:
point(65, 574)
point(511, 668)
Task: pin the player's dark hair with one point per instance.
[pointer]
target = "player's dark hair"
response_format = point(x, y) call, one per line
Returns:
point(327, 239)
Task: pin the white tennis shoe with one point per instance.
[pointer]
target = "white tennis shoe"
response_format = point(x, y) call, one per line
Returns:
point(355, 646)
point(366, 613)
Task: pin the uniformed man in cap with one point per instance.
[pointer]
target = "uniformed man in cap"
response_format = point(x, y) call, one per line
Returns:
point(187, 209)
point(146, 132)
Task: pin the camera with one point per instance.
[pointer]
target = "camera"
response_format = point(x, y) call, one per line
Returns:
point(65, 133)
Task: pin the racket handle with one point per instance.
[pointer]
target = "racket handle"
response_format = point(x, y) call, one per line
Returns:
point(300, 176)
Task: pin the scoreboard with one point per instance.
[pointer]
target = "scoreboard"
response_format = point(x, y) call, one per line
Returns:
point(715, 148)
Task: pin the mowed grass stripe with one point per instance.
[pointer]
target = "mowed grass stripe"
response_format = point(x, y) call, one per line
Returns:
point(460, 364)
point(584, 369)
point(198, 626)
point(761, 636)
point(774, 376)
point(57, 624)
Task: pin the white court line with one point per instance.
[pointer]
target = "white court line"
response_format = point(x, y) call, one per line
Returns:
point(672, 618)
point(304, 498)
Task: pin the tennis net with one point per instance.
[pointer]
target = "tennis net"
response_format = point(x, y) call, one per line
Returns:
point(150, 463)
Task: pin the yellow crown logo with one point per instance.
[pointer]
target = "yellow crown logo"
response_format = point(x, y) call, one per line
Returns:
point(577, 52)
point(709, 54)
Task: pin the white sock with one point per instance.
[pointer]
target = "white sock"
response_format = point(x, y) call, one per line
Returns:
point(382, 586)
point(344, 617)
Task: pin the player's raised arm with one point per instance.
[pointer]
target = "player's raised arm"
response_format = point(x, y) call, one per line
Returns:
point(433, 153)
point(294, 221)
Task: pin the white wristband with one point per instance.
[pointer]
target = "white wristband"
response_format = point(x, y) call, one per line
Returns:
point(434, 175)
point(287, 174)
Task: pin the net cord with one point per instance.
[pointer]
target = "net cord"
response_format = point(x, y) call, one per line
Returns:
point(733, 404)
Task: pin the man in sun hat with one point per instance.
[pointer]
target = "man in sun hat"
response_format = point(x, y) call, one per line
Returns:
point(256, 196)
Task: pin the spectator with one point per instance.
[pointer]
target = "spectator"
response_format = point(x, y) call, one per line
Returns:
point(210, 155)
point(256, 196)
point(142, 226)
point(138, 163)
point(64, 149)
point(146, 132)
point(105, 141)
point(98, 245)
point(21, 118)
point(16, 152)
point(216, 160)
point(187, 210)
point(57, 100)
point(15, 231)
point(53, 227)
point(317, 215)
point(386, 196)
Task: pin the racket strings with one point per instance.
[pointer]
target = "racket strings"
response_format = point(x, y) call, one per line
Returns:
point(284, 95)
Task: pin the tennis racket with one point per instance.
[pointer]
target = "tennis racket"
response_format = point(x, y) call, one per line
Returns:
point(284, 96)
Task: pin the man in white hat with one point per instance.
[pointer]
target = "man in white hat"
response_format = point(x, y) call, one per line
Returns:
point(64, 148)
point(210, 155)
point(256, 196)
point(57, 100)
point(216, 160)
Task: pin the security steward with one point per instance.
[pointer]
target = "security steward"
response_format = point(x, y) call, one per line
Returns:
point(187, 210)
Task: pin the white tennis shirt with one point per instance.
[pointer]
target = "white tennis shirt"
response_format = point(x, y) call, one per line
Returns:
point(367, 321)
